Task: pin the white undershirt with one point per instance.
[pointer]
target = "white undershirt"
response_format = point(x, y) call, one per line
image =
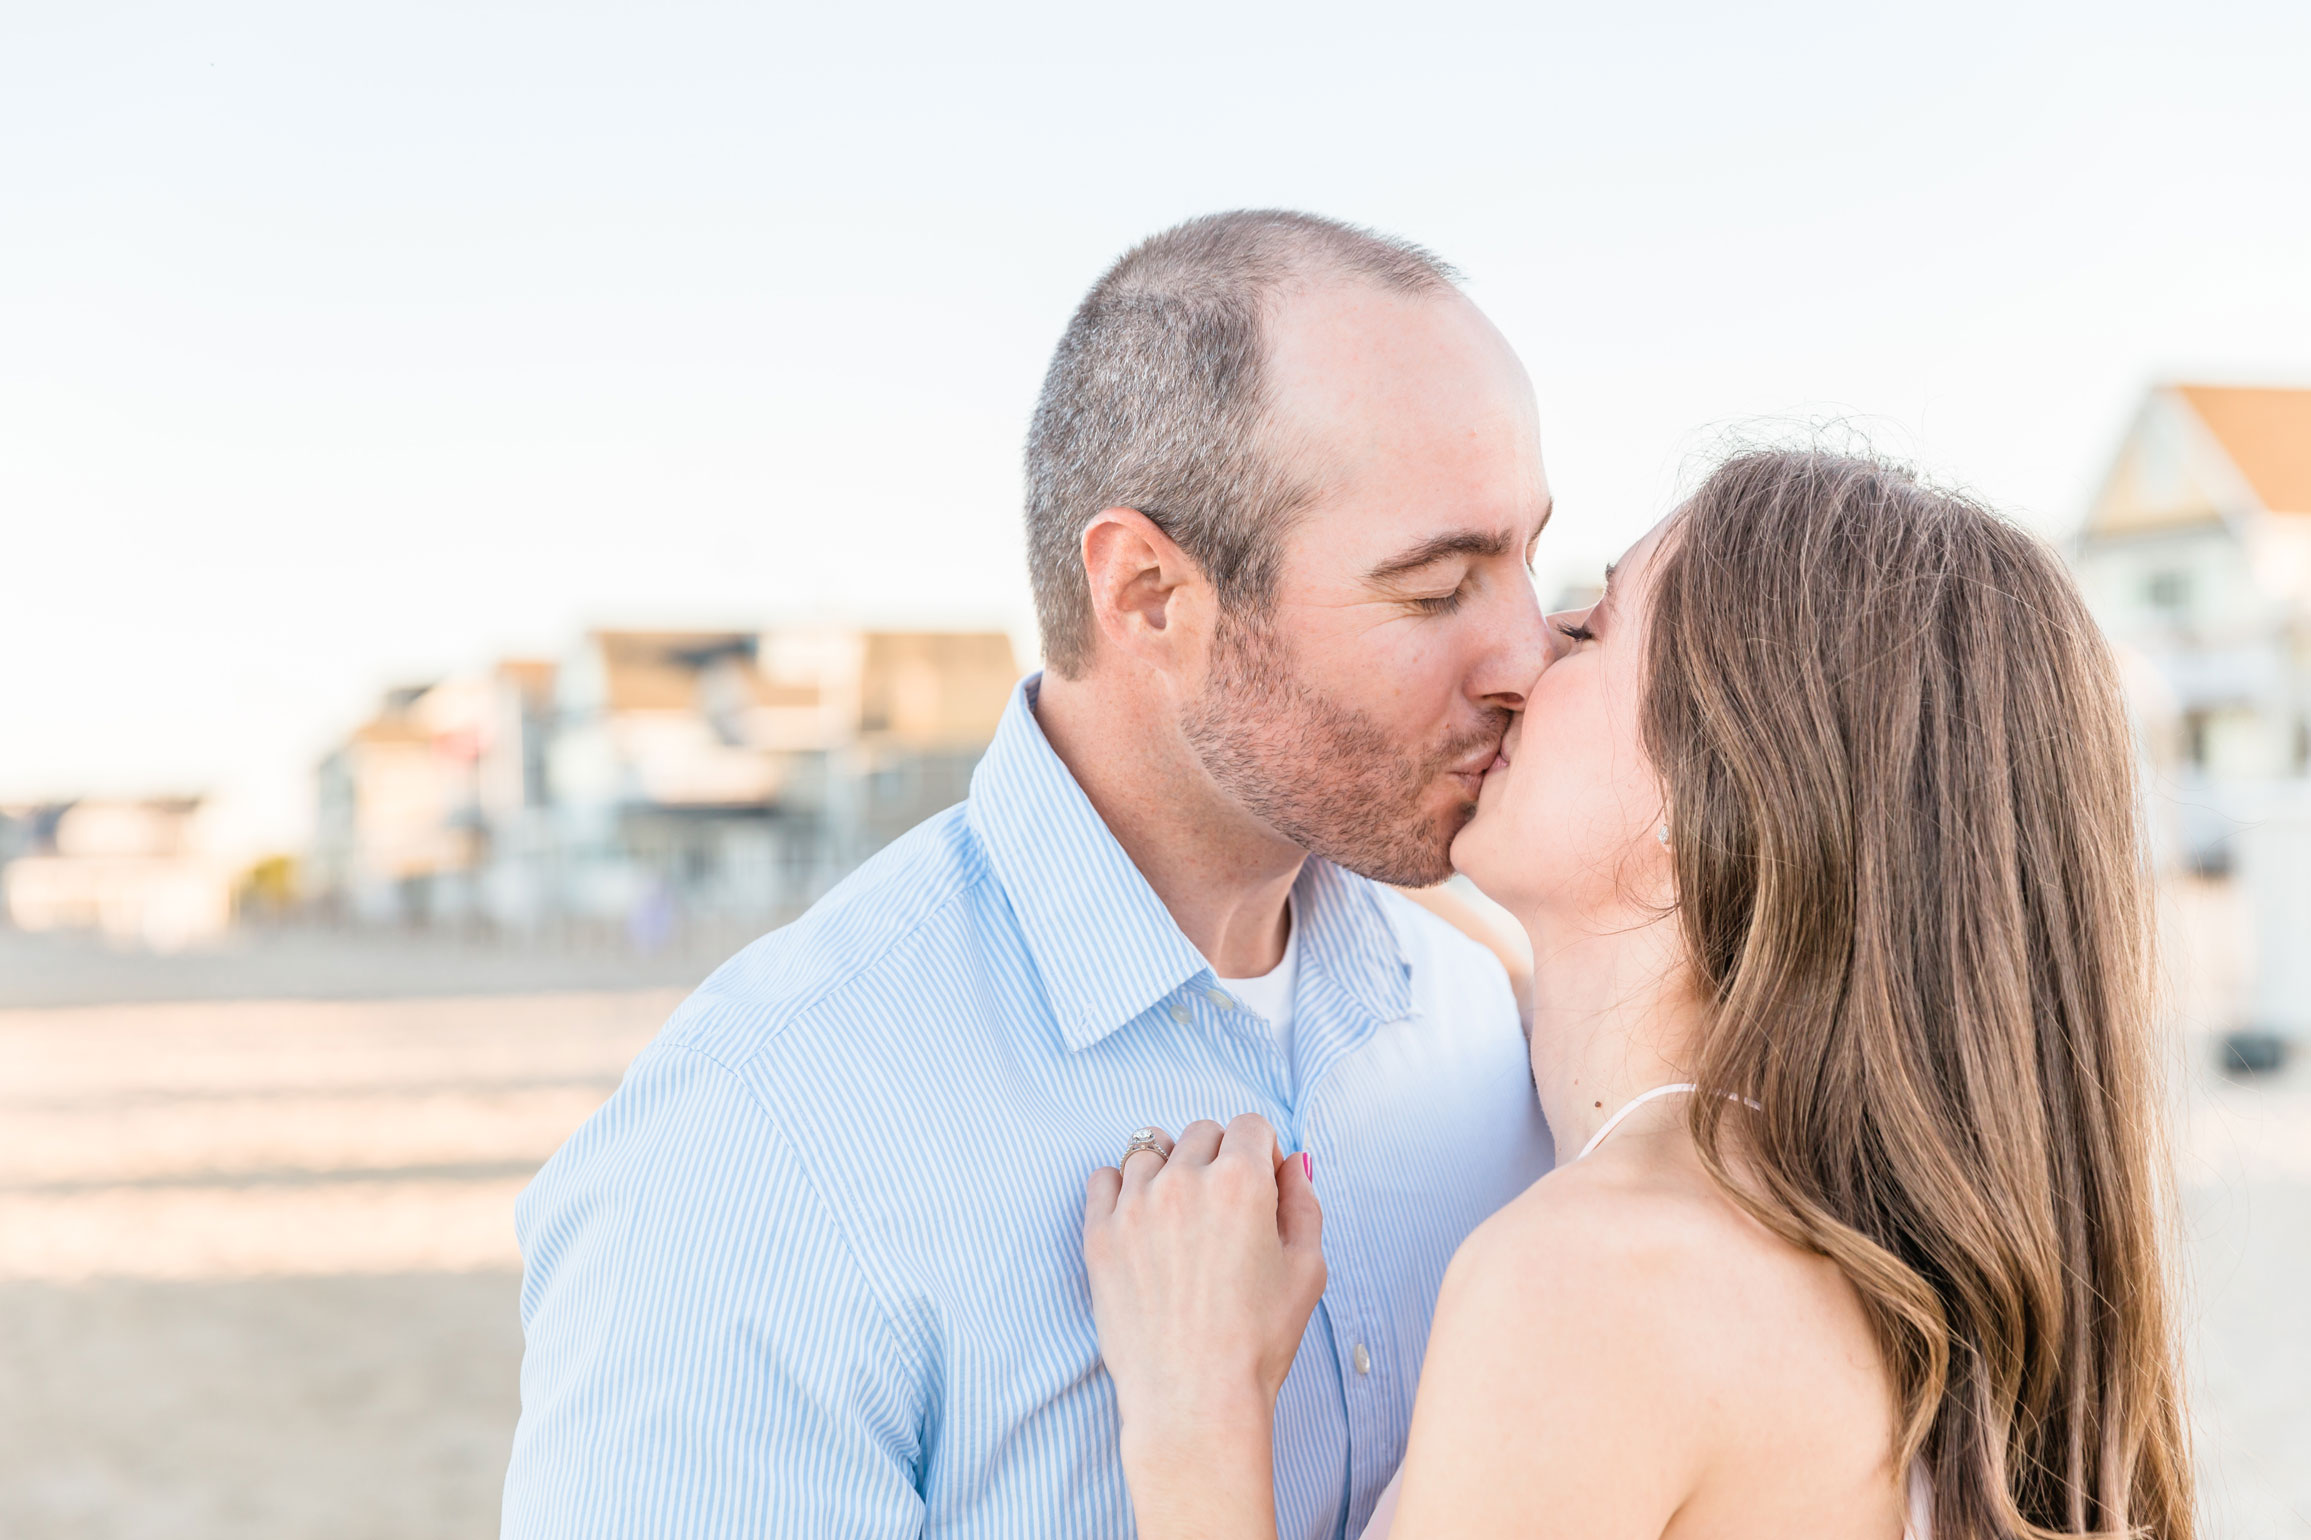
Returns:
point(1271, 993)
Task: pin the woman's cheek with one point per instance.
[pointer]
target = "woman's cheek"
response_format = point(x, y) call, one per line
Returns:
point(1528, 802)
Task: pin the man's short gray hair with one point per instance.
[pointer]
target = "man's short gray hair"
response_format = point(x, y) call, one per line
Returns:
point(1157, 400)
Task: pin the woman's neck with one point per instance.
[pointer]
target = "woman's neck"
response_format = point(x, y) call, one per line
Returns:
point(1614, 1015)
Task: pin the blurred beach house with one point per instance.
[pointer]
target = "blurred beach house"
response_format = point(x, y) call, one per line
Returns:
point(2196, 556)
point(141, 871)
point(652, 777)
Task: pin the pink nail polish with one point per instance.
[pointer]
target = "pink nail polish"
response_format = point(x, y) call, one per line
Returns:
point(1308, 1165)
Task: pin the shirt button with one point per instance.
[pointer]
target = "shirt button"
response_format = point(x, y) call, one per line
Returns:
point(1219, 999)
point(1180, 1013)
point(1363, 1360)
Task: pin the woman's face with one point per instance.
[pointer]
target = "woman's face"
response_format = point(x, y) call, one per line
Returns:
point(1568, 817)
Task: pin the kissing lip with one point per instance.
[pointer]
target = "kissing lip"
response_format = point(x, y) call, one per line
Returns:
point(1478, 761)
point(1503, 755)
point(1471, 771)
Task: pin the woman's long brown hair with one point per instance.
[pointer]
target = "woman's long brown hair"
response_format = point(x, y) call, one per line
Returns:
point(1901, 789)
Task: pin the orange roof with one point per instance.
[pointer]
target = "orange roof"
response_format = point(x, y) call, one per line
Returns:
point(936, 687)
point(2267, 434)
point(390, 729)
point(658, 670)
point(773, 692)
point(533, 678)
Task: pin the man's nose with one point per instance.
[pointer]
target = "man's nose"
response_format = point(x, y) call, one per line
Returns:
point(1520, 648)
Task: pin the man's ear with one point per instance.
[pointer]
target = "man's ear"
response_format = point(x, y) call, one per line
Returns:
point(1150, 601)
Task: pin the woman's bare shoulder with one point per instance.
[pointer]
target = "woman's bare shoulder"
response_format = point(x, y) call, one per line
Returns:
point(1633, 1328)
point(1599, 1250)
point(1593, 1245)
point(1551, 1384)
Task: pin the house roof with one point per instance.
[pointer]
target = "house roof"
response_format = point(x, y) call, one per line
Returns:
point(533, 678)
point(658, 670)
point(2267, 434)
point(932, 688)
point(391, 728)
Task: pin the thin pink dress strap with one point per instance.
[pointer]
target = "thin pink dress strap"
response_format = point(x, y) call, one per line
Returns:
point(1682, 1087)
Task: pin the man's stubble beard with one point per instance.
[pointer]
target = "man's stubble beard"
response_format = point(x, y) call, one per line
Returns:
point(1321, 774)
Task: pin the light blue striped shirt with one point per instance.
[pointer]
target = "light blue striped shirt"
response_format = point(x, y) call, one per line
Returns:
point(815, 1268)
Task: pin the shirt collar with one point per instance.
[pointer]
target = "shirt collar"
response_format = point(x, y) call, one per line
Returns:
point(1103, 941)
point(1352, 963)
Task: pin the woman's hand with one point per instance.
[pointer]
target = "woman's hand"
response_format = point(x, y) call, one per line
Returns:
point(1204, 1268)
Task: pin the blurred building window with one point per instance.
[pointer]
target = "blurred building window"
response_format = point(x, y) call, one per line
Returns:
point(2234, 742)
point(699, 773)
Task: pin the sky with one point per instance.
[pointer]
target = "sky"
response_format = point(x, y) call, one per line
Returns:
point(348, 345)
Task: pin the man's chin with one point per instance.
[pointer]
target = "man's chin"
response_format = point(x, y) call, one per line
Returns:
point(1426, 860)
point(1412, 853)
point(1425, 875)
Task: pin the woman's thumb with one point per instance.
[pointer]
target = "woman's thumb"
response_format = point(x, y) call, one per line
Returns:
point(1299, 1217)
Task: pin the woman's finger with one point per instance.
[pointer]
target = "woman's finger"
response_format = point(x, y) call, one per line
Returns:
point(1140, 1167)
point(1100, 1193)
point(1250, 1140)
point(1199, 1142)
point(1299, 1217)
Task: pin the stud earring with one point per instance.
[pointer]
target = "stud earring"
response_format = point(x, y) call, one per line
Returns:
point(1662, 834)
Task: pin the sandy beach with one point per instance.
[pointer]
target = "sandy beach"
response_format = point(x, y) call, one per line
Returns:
point(258, 1278)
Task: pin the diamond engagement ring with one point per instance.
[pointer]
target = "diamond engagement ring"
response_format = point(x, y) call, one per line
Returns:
point(1141, 1139)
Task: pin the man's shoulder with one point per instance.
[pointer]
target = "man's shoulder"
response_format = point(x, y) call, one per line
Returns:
point(1440, 954)
point(1418, 930)
point(871, 924)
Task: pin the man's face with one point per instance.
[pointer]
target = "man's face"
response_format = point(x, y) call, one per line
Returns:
point(1359, 715)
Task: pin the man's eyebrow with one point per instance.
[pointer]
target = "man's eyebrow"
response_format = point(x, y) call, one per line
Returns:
point(1460, 542)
